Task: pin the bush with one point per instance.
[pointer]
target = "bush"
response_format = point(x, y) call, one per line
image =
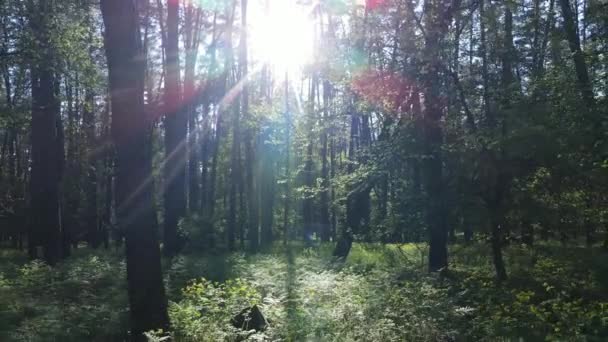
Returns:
point(205, 311)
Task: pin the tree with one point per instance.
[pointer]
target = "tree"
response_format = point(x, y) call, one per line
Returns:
point(582, 74)
point(287, 198)
point(192, 28)
point(131, 133)
point(252, 202)
point(324, 198)
point(438, 16)
point(235, 177)
point(47, 140)
point(176, 130)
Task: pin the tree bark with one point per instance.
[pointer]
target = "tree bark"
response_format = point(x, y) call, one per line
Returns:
point(176, 130)
point(220, 90)
point(500, 184)
point(253, 227)
point(324, 198)
point(582, 75)
point(287, 198)
point(235, 166)
point(192, 32)
point(235, 179)
point(267, 191)
point(345, 237)
point(45, 223)
point(490, 121)
point(437, 17)
point(92, 223)
point(72, 232)
point(496, 239)
point(308, 201)
point(131, 132)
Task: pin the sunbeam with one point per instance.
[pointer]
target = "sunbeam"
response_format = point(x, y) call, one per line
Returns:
point(281, 34)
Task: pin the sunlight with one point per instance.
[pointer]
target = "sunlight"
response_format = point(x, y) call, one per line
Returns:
point(281, 34)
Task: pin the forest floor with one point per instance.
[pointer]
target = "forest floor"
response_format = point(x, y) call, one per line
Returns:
point(380, 293)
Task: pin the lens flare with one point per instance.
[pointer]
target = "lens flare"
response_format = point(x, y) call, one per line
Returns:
point(281, 34)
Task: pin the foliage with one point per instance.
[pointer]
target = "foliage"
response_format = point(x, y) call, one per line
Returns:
point(496, 141)
point(81, 299)
point(205, 311)
point(380, 293)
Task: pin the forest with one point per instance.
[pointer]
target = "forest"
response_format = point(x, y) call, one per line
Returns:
point(304, 170)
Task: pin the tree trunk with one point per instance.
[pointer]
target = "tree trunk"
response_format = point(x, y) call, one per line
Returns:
point(343, 246)
point(91, 217)
point(332, 174)
point(70, 203)
point(3, 153)
point(92, 223)
point(108, 197)
point(267, 191)
point(582, 75)
point(210, 212)
point(235, 174)
point(499, 265)
point(287, 163)
point(324, 198)
point(131, 132)
point(242, 211)
point(219, 130)
point(176, 128)
point(605, 244)
point(539, 67)
point(527, 232)
point(497, 201)
point(490, 122)
point(468, 234)
point(45, 224)
point(235, 160)
point(108, 182)
point(437, 18)
point(308, 201)
point(253, 227)
point(207, 183)
point(192, 33)
point(353, 214)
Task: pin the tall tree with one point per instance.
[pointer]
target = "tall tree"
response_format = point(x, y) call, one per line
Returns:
point(252, 202)
point(582, 73)
point(131, 133)
point(92, 221)
point(46, 139)
point(192, 33)
point(287, 199)
point(176, 130)
point(308, 169)
point(324, 198)
point(235, 177)
point(437, 17)
point(222, 106)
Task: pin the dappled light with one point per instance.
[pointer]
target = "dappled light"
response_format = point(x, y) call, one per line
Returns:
point(303, 170)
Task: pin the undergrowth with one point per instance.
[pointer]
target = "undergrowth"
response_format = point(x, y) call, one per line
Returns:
point(380, 293)
point(83, 298)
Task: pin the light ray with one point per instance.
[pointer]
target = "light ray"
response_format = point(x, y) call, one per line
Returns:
point(226, 101)
point(281, 35)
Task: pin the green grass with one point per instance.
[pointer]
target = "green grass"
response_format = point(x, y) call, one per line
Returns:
point(82, 298)
point(380, 293)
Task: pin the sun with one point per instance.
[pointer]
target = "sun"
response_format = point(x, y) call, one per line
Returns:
point(281, 34)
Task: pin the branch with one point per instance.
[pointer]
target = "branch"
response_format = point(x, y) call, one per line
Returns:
point(469, 116)
point(418, 20)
